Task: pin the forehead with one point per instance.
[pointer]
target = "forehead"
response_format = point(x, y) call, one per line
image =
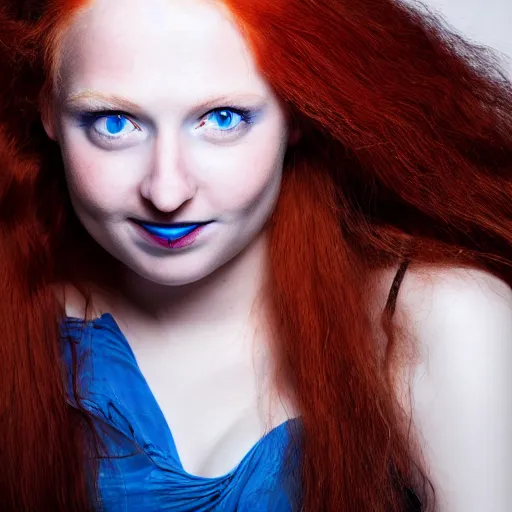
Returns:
point(158, 49)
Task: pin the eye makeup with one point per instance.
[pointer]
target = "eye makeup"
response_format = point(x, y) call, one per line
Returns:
point(89, 119)
point(211, 122)
point(207, 125)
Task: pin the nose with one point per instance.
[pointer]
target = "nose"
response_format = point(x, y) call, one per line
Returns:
point(167, 183)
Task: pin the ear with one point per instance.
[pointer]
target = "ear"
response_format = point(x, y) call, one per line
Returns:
point(294, 136)
point(48, 120)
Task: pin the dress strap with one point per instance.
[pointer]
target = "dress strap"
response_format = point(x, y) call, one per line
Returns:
point(393, 292)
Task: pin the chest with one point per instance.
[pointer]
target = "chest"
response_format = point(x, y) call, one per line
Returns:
point(217, 403)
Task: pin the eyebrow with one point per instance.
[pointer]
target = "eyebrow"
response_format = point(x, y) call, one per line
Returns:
point(100, 100)
point(113, 101)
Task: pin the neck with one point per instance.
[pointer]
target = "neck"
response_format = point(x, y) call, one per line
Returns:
point(225, 300)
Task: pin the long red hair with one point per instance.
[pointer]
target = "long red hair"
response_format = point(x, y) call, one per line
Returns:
point(406, 154)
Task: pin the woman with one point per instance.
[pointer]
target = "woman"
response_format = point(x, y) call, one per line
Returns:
point(256, 256)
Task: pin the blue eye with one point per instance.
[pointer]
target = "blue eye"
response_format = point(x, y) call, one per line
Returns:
point(225, 119)
point(115, 124)
point(108, 125)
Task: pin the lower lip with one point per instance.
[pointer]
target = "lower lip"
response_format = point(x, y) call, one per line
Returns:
point(177, 244)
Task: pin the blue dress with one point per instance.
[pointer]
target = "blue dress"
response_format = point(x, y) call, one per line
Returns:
point(143, 471)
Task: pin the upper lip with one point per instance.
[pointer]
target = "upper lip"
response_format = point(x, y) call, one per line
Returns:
point(171, 224)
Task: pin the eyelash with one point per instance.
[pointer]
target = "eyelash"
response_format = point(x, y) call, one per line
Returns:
point(87, 119)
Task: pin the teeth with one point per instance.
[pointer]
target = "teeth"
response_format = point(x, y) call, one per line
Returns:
point(171, 233)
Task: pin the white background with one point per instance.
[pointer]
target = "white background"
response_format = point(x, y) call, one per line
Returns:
point(487, 22)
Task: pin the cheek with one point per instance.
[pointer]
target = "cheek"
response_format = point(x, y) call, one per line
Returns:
point(244, 176)
point(95, 182)
point(242, 185)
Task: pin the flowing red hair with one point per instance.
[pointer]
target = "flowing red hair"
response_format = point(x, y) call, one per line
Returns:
point(406, 154)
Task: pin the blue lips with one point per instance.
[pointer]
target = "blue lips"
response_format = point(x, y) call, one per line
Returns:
point(170, 233)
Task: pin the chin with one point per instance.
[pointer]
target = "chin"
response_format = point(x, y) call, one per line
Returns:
point(179, 275)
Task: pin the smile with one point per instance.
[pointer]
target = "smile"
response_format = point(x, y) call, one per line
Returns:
point(171, 232)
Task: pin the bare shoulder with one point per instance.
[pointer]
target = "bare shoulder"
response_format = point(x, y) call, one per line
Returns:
point(460, 401)
point(436, 298)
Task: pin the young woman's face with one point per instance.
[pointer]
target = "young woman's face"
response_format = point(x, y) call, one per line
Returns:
point(162, 117)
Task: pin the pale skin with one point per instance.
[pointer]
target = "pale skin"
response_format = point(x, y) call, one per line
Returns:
point(461, 402)
point(191, 317)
